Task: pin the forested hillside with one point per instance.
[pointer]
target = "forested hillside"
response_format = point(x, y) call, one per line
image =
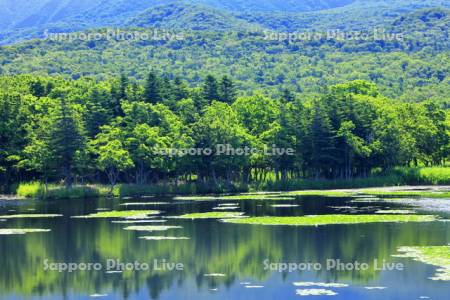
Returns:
point(29, 19)
point(25, 13)
point(194, 17)
point(46, 11)
point(415, 68)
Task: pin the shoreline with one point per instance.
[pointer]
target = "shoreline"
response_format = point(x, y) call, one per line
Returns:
point(142, 191)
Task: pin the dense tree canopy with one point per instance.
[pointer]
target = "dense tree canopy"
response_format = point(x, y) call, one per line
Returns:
point(118, 131)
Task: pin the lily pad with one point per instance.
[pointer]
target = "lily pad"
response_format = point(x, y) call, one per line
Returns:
point(315, 292)
point(212, 215)
point(438, 256)
point(321, 284)
point(138, 221)
point(196, 198)
point(114, 272)
point(321, 193)
point(21, 231)
point(119, 214)
point(332, 219)
point(226, 208)
point(407, 193)
point(145, 203)
point(215, 275)
point(255, 197)
point(239, 197)
point(151, 228)
point(396, 212)
point(27, 216)
point(162, 238)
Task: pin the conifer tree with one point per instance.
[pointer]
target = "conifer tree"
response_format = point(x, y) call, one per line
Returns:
point(211, 89)
point(153, 92)
point(66, 138)
point(227, 90)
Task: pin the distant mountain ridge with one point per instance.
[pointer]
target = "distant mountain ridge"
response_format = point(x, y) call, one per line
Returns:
point(29, 13)
point(22, 20)
point(189, 17)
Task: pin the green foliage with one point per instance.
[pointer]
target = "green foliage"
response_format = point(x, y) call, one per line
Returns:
point(438, 256)
point(112, 156)
point(72, 131)
point(425, 176)
point(41, 191)
point(211, 215)
point(138, 214)
point(413, 69)
point(332, 220)
point(30, 190)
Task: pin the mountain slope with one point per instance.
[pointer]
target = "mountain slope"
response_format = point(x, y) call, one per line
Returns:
point(189, 17)
point(26, 13)
point(29, 19)
point(415, 68)
point(14, 11)
point(359, 15)
point(277, 5)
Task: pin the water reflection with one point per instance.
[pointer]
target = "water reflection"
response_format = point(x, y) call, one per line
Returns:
point(238, 251)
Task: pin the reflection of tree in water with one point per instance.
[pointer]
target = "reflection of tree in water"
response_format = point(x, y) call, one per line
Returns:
point(235, 250)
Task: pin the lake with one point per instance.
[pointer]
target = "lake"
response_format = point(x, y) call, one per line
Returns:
point(217, 260)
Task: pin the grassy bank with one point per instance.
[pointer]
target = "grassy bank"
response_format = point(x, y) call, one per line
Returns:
point(424, 176)
point(396, 177)
point(39, 191)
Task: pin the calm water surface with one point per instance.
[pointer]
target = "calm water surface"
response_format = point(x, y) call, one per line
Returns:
point(237, 251)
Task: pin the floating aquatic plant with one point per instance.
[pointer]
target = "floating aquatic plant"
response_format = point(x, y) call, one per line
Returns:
point(141, 214)
point(28, 216)
point(321, 193)
point(438, 256)
point(21, 231)
point(321, 284)
point(138, 221)
point(396, 212)
point(331, 219)
point(315, 292)
point(145, 203)
point(226, 208)
point(212, 215)
point(151, 228)
point(162, 238)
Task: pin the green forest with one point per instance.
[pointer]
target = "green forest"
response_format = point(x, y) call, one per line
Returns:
point(224, 149)
point(88, 131)
point(412, 69)
point(104, 110)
